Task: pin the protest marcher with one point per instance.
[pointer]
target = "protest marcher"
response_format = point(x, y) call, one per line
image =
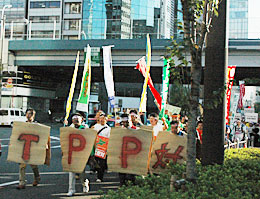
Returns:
point(255, 136)
point(30, 115)
point(102, 130)
point(77, 120)
point(182, 124)
point(175, 129)
point(134, 120)
point(157, 125)
point(239, 131)
point(199, 133)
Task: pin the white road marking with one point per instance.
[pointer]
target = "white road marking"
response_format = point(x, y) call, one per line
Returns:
point(55, 147)
point(9, 183)
point(54, 138)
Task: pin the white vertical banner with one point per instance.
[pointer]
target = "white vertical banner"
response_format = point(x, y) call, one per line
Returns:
point(108, 74)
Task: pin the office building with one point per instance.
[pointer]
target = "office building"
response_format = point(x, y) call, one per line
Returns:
point(44, 19)
point(15, 24)
point(238, 19)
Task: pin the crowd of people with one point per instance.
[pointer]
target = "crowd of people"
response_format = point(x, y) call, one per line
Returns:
point(175, 124)
point(241, 131)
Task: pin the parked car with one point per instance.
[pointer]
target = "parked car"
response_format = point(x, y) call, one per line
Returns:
point(9, 115)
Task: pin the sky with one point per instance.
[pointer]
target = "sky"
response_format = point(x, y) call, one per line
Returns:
point(253, 19)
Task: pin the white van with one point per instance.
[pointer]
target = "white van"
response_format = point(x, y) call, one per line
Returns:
point(9, 115)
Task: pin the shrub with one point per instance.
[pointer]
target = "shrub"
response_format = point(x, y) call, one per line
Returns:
point(238, 177)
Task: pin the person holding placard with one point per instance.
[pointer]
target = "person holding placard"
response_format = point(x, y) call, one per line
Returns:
point(30, 115)
point(157, 125)
point(77, 122)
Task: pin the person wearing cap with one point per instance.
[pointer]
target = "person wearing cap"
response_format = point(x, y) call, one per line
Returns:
point(77, 120)
point(157, 125)
point(102, 130)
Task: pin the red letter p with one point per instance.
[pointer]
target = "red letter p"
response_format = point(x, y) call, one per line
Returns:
point(127, 151)
point(80, 147)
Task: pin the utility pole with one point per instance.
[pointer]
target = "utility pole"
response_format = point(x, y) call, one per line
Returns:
point(1, 48)
point(216, 60)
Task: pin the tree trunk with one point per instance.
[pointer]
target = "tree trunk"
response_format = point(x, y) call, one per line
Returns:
point(194, 101)
point(214, 78)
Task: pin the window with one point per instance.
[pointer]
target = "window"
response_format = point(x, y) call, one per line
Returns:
point(73, 24)
point(12, 113)
point(16, 113)
point(3, 112)
point(45, 4)
point(75, 8)
point(44, 19)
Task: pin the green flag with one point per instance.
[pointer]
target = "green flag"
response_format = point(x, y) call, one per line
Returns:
point(165, 85)
point(84, 95)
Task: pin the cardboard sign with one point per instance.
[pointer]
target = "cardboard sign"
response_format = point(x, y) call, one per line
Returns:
point(76, 146)
point(173, 109)
point(129, 150)
point(101, 147)
point(28, 143)
point(167, 148)
point(251, 117)
point(249, 110)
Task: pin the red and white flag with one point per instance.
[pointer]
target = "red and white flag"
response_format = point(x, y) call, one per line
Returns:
point(141, 66)
point(241, 94)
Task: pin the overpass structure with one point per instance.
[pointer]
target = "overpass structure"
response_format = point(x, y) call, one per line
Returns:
point(41, 70)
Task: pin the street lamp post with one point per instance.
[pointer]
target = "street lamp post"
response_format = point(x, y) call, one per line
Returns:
point(1, 48)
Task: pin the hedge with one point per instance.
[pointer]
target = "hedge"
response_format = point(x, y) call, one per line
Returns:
point(237, 178)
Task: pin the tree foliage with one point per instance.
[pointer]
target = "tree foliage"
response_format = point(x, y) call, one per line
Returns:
point(197, 18)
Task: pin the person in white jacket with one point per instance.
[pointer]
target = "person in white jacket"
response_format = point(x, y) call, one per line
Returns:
point(77, 120)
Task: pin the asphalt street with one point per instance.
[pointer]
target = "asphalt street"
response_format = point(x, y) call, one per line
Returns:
point(54, 182)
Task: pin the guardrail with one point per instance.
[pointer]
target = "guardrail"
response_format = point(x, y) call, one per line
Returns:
point(236, 144)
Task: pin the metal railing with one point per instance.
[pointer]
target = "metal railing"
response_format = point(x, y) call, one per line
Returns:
point(82, 29)
point(236, 144)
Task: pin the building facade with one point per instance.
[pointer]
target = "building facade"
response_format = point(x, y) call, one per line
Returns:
point(44, 19)
point(238, 19)
point(15, 24)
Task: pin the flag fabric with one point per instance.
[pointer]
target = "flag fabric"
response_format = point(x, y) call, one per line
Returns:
point(165, 85)
point(229, 81)
point(141, 66)
point(84, 95)
point(241, 94)
point(142, 107)
point(72, 86)
point(108, 74)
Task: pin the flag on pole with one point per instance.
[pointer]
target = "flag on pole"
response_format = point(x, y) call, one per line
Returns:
point(229, 81)
point(142, 107)
point(241, 94)
point(108, 74)
point(165, 85)
point(141, 66)
point(72, 86)
point(84, 94)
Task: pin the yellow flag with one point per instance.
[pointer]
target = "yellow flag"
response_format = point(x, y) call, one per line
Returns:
point(142, 107)
point(72, 86)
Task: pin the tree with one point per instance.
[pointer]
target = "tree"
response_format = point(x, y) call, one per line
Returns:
point(197, 17)
point(216, 54)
